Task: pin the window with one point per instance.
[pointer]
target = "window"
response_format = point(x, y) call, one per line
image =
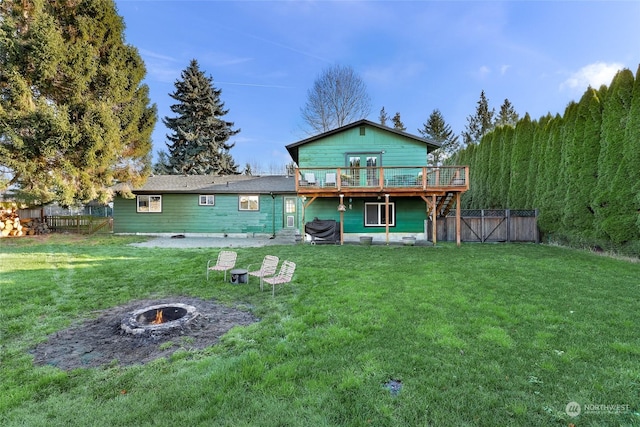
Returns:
point(148, 203)
point(248, 203)
point(207, 200)
point(374, 214)
point(289, 205)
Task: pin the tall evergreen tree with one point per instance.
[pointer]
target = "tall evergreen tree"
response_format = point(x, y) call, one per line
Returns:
point(536, 159)
point(493, 176)
point(506, 146)
point(610, 201)
point(522, 146)
point(397, 123)
point(632, 154)
point(468, 157)
point(198, 142)
point(618, 217)
point(507, 116)
point(75, 117)
point(481, 183)
point(384, 117)
point(438, 130)
point(551, 199)
point(582, 166)
point(479, 123)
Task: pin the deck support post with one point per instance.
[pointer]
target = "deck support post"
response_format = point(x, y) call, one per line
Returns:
point(341, 209)
point(386, 216)
point(458, 216)
point(434, 227)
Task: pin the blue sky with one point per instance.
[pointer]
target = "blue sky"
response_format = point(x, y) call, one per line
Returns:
point(414, 57)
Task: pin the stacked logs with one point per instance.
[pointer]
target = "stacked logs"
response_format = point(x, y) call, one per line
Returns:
point(12, 226)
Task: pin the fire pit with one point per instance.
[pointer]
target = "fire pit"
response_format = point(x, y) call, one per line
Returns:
point(159, 318)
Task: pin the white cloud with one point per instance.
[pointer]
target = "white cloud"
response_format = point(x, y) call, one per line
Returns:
point(484, 71)
point(593, 75)
point(504, 68)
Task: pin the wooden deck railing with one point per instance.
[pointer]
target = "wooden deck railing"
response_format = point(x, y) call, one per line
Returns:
point(394, 179)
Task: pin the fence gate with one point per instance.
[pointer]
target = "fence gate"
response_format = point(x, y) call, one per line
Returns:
point(488, 225)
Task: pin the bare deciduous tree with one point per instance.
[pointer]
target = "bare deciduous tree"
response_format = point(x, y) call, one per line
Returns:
point(338, 97)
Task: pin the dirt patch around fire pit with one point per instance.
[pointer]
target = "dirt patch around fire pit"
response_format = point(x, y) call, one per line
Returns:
point(101, 341)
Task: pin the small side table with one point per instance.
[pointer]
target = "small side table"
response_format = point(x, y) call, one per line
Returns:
point(239, 275)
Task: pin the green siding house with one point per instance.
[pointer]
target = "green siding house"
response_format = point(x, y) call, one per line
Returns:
point(236, 205)
point(374, 181)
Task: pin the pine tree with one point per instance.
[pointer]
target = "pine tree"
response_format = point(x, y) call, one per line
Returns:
point(480, 123)
point(397, 123)
point(75, 117)
point(198, 143)
point(162, 167)
point(438, 130)
point(507, 115)
point(384, 117)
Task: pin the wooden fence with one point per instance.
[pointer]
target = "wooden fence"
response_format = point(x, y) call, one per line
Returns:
point(488, 225)
point(83, 224)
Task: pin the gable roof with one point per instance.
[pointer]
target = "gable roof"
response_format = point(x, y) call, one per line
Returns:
point(218, 184)
point(293, 148)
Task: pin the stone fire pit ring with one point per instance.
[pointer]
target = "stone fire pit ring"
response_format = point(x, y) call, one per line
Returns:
point(175, 315)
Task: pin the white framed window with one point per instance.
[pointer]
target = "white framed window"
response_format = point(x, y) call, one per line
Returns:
point(374, 214)
point(207, 200)
point(248, 202)
point(149, 203)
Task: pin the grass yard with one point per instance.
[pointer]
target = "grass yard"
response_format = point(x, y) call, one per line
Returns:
point(482, 335)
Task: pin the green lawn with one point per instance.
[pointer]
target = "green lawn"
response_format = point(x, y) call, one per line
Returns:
point(482, 335)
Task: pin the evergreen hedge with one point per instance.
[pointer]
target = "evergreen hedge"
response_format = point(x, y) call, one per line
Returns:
point(581, 169)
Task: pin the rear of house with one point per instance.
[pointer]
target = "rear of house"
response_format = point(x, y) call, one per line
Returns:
point(368, 179)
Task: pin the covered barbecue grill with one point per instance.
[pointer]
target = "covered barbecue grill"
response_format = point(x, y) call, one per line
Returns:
point(323, 231)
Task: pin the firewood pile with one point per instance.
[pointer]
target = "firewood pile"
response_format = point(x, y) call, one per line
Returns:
point(12, 226)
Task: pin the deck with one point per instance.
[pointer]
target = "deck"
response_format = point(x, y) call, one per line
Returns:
point(373, 181)
point(440, 187)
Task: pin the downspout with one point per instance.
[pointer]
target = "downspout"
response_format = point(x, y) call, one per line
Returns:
point(273, 215)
